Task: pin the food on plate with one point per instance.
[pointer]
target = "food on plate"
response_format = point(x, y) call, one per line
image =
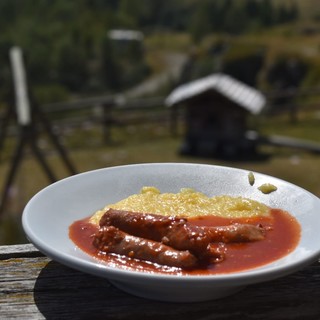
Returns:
point(267, 188)
point(110, 239)
point(186, 233)
point(177, 233)
point(187, 203)
point(251, 178)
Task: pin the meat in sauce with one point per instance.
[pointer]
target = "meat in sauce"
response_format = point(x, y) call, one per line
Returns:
point(110, 239)
point(206, 245)
point(179, 234)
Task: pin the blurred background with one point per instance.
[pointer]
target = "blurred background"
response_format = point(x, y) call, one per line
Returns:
point(100, 75)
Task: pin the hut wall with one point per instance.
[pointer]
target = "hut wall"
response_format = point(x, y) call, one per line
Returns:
point(213, 123)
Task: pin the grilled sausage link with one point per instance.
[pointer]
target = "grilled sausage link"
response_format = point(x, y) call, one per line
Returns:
point(110, 239)
point(179, 234)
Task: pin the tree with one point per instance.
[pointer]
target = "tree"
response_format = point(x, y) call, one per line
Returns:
point(72, 70)
point(201, 22)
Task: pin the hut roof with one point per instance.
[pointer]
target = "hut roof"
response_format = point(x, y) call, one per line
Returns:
point(245, 96)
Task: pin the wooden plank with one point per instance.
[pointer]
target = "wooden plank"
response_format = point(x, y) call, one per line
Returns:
point(282, 141)
point(39, 288)
point(20, 250)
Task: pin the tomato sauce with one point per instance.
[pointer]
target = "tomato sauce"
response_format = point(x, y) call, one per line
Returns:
point(282, 236)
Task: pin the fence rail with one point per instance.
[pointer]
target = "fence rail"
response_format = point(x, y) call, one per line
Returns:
point(110, 110)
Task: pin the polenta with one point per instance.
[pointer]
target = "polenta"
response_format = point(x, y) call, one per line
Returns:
point(186, 203)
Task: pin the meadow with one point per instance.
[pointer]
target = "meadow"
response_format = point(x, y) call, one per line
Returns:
point(147, 138)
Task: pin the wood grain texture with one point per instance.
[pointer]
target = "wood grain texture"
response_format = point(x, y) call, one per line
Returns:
point(34, 287)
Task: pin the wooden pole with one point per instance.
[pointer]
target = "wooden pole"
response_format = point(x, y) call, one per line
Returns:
point(27, 132)
point(20, 86)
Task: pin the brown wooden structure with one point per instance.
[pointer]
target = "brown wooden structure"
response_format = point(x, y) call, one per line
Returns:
point(217, 108)
point(28, 114)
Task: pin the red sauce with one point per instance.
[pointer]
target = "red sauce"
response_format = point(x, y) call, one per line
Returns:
point(282, 238)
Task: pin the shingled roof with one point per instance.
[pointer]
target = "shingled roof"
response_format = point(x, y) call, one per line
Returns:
point(245, 96)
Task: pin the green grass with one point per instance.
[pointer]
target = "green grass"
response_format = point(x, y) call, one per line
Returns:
point(307, 126)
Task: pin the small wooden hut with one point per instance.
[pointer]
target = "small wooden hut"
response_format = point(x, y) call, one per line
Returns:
point(217, 109)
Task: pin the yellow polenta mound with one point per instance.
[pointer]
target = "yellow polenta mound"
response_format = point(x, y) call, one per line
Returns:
point(186, 203)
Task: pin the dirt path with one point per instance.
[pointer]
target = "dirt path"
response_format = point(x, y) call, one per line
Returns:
point(174, 63)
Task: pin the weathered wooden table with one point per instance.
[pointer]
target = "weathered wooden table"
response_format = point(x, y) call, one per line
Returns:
point(34, 287)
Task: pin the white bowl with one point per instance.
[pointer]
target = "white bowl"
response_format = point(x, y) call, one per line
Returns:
point(49, 214)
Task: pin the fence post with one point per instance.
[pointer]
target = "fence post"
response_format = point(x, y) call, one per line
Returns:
point(107, 121)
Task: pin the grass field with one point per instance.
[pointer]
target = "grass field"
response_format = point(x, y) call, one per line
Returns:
point(151, 142)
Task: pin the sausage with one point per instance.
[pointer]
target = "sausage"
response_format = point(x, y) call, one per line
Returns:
point(110, 239)
point(179, 234)
point(150, 226)
point(236, 232)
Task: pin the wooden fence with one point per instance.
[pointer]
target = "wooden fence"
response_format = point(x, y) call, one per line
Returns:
point(115, 110)
point(108, 111)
